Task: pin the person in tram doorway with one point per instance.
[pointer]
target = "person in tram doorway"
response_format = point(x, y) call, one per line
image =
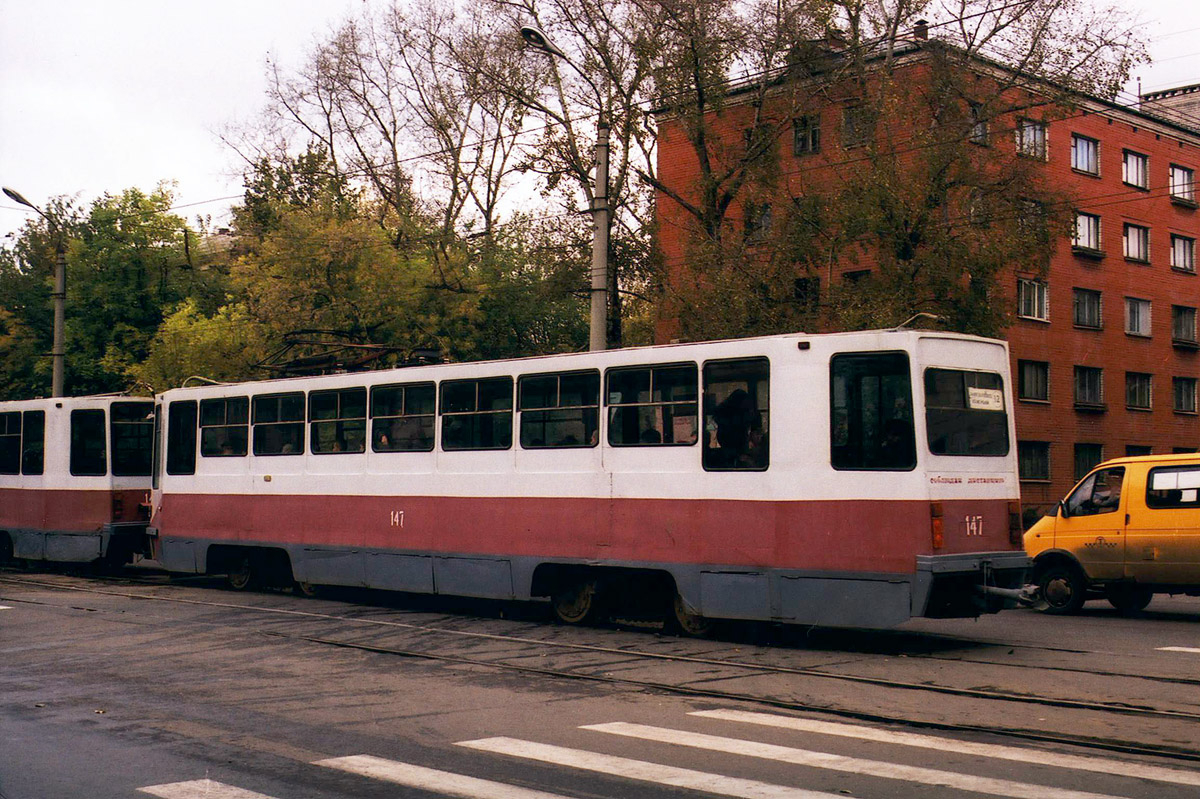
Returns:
point(735, 418)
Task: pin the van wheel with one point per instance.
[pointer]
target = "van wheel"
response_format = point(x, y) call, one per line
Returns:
point(1063, 589)
point(1128, 597)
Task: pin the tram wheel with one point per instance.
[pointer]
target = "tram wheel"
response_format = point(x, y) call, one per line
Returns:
point(1128, 598)
point(6, 550)
point(577, 603)
point(242, 575)
point(1063, 589)
point(683, 621)
point(301, 588)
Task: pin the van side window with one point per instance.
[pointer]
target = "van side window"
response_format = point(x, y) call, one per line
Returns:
point(871, 421)
point(181, 437)
point(402, 418)
point(477, 414)
point(224, 427)
point(652, 405)
point(559, 410)
point(33, 443)
point(736, 415)
point(278, 422)
point(338, 420)
point(132, 430)
point(1173, 487)
point(10, 443)
point(1100, 492)
point(89, 454)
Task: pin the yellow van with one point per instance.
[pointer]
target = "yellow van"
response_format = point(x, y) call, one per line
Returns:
point(1127, 531)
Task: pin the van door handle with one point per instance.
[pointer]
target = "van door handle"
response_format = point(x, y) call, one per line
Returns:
point(1126, 519)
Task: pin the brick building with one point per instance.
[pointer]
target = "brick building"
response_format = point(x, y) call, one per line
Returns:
point(1103, 332)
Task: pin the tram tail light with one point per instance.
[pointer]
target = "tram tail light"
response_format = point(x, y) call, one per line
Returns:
point(937, 525)
point(118, 507)
point(1016, 531)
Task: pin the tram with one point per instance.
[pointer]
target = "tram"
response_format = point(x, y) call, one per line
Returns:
point(75, 478)
point(850, 479)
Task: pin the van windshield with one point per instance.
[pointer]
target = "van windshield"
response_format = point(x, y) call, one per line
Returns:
point(965, 413)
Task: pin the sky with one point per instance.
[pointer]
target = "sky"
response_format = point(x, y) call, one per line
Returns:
point(97, 97)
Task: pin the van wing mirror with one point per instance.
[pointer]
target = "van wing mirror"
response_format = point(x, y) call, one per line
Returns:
point(1062, 509)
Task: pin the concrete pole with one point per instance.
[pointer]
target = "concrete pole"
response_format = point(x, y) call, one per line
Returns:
point(58, 351)
point(599, 317)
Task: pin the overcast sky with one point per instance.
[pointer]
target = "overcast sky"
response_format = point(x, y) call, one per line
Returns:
point(96, 97)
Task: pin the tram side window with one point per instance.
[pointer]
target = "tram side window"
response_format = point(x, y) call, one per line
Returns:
point(224, 427)
point(964, 413)
point(33, 442)
point(736, 415)
point(10, 443)
point(338, 420)
point(477, 414)
point(131, 425)
point(559, 411)
point(278, 421)
point(88, 450)
point(181, 437)
point(652, 405)
point(402, 417)
point(871, 422)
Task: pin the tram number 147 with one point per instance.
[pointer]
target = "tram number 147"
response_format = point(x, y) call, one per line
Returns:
point(974, 525)
point(397, 518)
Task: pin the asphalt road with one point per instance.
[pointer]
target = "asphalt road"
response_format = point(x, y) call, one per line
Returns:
point(146, 687)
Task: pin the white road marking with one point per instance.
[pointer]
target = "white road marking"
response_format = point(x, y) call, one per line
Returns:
point(1036, 756)
point(427, 779)
point(852, 765)
point(201, 789)
point(644, 771)
point(5, 607)
point(1191, 650)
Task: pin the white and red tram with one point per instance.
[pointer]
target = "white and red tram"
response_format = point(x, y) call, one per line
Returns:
point(853, 479)
point(75, 478)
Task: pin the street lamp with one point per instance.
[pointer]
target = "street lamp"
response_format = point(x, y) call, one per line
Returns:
point(598, 338)
point(59, 297)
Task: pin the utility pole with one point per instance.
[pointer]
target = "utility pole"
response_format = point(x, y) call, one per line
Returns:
point(58, 349)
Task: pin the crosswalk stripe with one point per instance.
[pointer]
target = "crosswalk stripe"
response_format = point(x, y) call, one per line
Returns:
point(1191, 650)
point(5, 607)
point(852, 765)
point(201, 789)
point(643, 771)
point(1035, 756)
point(427, 779)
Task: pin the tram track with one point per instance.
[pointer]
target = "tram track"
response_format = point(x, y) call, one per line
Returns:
point(434, 651)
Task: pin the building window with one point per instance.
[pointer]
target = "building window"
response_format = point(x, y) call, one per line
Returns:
point(1031, 138)
point(1086, 235)
point(1088, 309)
point(856, 277)
point(1137, 243)
point(1183, 324)
point(1033, 460)
point(1137, 450)
point(806, 134)
point(1085, 154)
point(1184, 389)
point(806, 291)
point(1183, 184)
point(1183, 253)
point(1089, 386)
point(758, 221)
point(1087, 457)
point(1033, 381)
point(857, 126)
point(979, 125)
point(1137, 317)
point(1033, 300)
point(1135, 170)
point(1137, 390)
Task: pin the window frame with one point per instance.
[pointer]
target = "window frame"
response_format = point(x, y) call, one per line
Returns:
point(76, 445)
point(1183, 253)
point(341, 423)
point(1035, 146)
point(259, 429)
point(1088, 378)
point(423, 421)
point(1042, 368)
point(1085, 154)
point(806, 134)
point(756, 456)
point(226, 425)
point(856, 436)
point(612, 408)
point(1181, 182)
point(1139, 237)
point(1087, 234)
point(1183, 388)
point(1135, 165)
point(1040, 298)
point(1080, 308)
point(585, 441)
point(476, 415)
point(11, 427)
point(1142, 328)
point(29, 455)
point(1186, 314)
point(1042, 450)
point(118, 466)
point(1139, 391)
point(188, 419)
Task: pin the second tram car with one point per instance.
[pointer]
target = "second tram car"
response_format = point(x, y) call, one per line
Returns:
point(74, 478)
point(853, 479)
